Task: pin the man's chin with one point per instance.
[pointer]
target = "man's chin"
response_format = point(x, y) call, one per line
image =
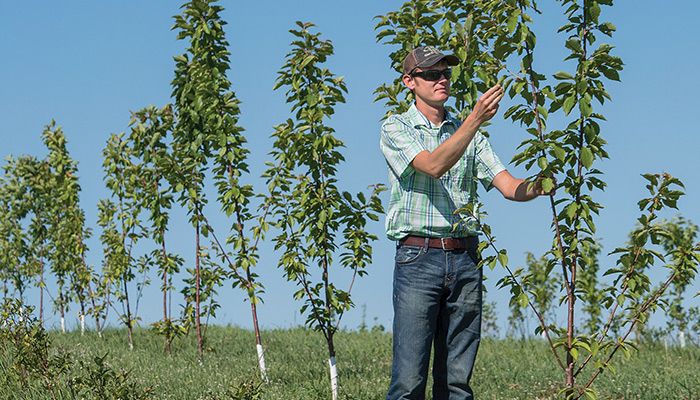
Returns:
point(442, 95)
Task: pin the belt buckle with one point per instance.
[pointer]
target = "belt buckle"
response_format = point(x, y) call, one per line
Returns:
point(442, 243)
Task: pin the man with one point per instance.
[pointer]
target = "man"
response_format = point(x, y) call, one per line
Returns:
point(434, 164)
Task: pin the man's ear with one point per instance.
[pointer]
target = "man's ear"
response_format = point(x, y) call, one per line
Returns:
point(408, 81)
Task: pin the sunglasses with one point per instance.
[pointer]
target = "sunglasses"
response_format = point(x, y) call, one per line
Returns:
point(433, 74)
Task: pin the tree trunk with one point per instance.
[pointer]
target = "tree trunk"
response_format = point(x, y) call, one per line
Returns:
point(81, 317)
point(129, 328)
point(41, 295)
point(167, 347)
point(197, 281)
point(92, 302)
point(332, 367)
point(258, 342)
point(329, 331)
point(63, 311)
point(570, 365)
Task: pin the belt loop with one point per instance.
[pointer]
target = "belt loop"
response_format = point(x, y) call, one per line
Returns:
point(426, 245)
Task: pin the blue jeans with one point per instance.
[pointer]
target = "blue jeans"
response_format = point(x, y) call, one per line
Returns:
point(437, 302)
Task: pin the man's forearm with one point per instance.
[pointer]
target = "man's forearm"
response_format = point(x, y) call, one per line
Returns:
point(440, 160)
point(445, 156)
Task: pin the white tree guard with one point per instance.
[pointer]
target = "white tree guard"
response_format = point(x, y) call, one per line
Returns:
point(334, 378)
point(63, 325)
point(261, 363)
point(82, 324)
point(681, 338)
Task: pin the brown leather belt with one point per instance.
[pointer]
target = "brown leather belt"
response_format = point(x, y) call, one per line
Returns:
point(467, 243)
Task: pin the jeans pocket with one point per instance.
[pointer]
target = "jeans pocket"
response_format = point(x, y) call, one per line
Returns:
point(408, 254)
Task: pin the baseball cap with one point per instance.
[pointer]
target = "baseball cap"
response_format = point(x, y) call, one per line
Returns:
point(426, 56)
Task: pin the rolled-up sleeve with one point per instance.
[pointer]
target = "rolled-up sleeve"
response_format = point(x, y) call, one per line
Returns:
point(488, 165)
point(399, 146)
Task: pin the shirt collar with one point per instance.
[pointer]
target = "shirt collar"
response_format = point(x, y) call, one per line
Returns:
point(418, 119)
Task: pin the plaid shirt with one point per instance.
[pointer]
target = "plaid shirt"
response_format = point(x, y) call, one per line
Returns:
point(420, 204)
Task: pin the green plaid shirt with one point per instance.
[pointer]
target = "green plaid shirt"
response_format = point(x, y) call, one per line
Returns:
point(420, 204)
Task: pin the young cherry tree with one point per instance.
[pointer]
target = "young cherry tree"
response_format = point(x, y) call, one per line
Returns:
point(45, 224)
point(316, 219)
point(234, 196)
point(67, 223)
point(122, 227)
point(570, 153)
point(7, 224)
point(38, 204)
point(502, 32)
point(682, 240)
point(210, 108)
point(19, 250)
point(203, 104)
point(150, 128)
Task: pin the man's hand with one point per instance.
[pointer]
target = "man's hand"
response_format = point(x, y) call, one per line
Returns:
point(517, 189)
point(487, 105)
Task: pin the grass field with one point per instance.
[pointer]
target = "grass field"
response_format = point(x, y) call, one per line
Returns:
point(296, 358)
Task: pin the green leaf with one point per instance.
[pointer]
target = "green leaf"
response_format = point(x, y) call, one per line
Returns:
point(611, 74)
point(492, 263)
point(547, 185)
point(574, 353)
point(586, 157)
point(569, 103)
point(513, 20)
point(559, 153)
point(620, 299)
point(523, 300)
point(594, 10)
point(503, 258)
point(561, 75)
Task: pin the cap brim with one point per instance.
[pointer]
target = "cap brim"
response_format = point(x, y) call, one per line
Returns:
point(452, 60)
point(432, 60)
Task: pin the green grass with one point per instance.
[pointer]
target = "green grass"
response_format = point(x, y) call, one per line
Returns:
point(296, 359)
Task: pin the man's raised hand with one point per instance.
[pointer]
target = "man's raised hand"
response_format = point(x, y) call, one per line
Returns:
point(487, 105)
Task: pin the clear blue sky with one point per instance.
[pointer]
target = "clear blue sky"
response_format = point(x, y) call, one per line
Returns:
point(87, 64)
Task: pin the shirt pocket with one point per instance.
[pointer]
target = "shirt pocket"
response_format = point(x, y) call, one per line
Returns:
point(458, 186)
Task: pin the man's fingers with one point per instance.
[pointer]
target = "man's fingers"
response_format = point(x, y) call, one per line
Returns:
point(488, 102)
point(500, 96)
point(493, 91)
point(489, 96)
point(494, 101)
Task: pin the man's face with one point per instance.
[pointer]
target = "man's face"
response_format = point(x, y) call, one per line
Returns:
point(434, 93)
